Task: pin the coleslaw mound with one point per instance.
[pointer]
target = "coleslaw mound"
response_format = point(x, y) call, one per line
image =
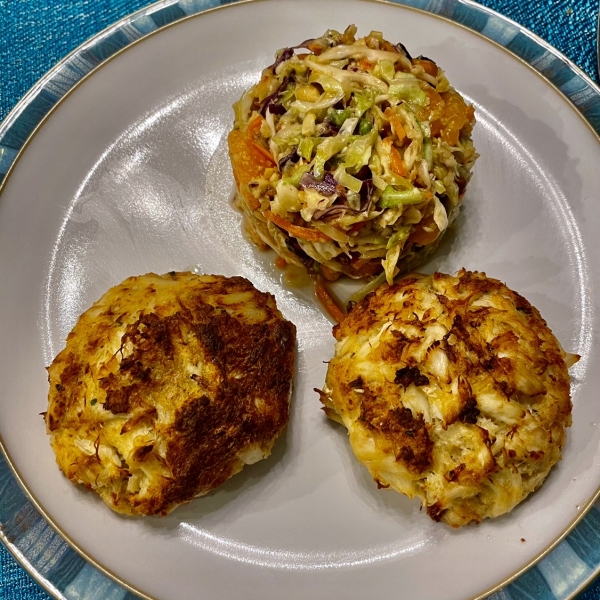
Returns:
point(350, 156)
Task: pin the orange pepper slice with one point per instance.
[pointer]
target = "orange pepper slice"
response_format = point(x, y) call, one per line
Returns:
point(254, 125)
point(471, 113)
point(421, 236)
point(248, 159)
point(433, 111)
point(304, 233)
point(428, 66)
point(455, 117)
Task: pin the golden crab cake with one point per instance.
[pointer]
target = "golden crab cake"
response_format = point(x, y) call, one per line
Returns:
point(453, 389)
point(168, 386)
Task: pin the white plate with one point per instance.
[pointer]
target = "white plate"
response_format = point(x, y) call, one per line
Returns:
point(129, 174)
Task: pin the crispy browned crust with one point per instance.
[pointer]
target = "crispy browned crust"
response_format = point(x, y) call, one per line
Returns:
point(496, 413)
point(407, 435)
point(205, 363)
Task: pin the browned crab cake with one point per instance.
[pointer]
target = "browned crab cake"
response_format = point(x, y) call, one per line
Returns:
point(168, 386)
point(454, 390)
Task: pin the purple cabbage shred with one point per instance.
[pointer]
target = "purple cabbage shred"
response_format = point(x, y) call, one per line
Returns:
point(285, 55)
point(291, 156)
point(401, 46)
point(270, 102)
point(326, 187)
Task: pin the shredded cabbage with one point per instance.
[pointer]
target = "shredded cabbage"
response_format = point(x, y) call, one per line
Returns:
point(364, 126)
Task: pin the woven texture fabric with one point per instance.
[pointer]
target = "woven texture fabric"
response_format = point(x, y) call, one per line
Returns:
point(15, 584)
point(569, 25)
point(35, 34)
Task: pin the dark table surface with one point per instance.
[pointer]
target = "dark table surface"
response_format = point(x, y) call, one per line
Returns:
point(35, 34)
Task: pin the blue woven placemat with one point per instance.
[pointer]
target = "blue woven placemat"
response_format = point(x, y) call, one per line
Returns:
point(35, 34)
point(569, 25)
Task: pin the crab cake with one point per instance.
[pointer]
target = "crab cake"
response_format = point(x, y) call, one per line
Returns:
point(454, 390)
point(168, 386)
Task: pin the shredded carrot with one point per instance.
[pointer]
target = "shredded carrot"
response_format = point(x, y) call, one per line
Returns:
point(396, 163)
point(396, 122)
point(252, 131)
point(251, 201)
point(357, 226)
point(280, 262)
point(304, 233)
point(365, 65)
point(327, 301)
point(254, 125)
point(264, 152)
